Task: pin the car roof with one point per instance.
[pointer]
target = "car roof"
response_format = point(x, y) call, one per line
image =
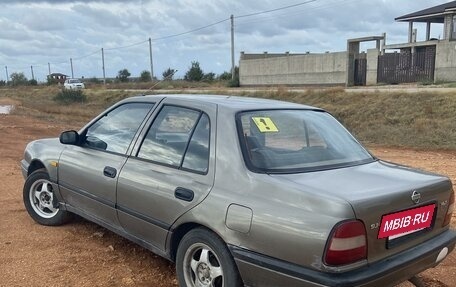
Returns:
point(236, 103)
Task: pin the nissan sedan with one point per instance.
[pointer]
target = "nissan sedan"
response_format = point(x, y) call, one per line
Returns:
point(243, 191)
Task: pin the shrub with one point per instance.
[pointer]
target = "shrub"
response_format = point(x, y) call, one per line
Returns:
point(233, 83)
point(168, 74)
point(18, 79)
point(145, 76)
point(194, 73)
point(209, 77)
point(123, 75)
point(70, 96)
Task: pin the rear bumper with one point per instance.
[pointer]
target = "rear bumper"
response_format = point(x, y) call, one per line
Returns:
point(261, 270)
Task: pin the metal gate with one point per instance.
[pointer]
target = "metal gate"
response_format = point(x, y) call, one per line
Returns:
point(360, 72)
point(406, 67)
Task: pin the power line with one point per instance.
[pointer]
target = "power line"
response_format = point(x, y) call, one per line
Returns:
point(276, 9)
point(85, 56)
point(127, 46)
point(294, 12)
point(191, 31)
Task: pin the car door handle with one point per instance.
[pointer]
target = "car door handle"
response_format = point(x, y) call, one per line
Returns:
point(110, 172)
point(184, 194)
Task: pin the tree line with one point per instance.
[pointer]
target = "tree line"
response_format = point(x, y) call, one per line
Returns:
point(194, 74)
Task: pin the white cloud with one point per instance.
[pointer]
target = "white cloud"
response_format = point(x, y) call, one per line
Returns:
point(38, 32)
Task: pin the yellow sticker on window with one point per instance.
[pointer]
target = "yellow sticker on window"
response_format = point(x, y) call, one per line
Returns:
point(265, 125)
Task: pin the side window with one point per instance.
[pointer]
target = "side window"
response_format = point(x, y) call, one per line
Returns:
point(115, 131)
point(168, 137)
point(197, 155)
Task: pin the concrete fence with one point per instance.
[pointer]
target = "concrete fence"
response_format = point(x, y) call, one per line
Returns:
point(293, 69)
point(334, 68)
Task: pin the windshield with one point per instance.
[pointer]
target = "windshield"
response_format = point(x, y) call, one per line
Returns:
point(75, 81)
point(289, 141)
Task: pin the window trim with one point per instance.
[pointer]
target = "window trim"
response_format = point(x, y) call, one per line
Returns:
point(251, 167)
point(201, 112)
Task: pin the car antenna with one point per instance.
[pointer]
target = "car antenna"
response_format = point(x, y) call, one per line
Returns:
point(165, 78)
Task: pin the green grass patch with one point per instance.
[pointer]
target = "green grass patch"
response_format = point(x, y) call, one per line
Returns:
point(70, 97)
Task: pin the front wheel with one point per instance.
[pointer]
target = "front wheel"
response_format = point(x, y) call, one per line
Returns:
point(203, 260)
point(40, 201)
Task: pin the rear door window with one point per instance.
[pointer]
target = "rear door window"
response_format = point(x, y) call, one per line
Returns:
point(178, 137)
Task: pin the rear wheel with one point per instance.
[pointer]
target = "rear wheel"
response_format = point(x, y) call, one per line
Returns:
point(203, 260)
point(40, 201)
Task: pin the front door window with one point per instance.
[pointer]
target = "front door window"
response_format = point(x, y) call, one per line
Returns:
point(115, 131)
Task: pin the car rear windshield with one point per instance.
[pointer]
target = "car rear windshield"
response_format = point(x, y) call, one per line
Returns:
point(291, 141)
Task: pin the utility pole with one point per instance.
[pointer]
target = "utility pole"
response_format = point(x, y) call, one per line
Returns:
point(71, 63)
point(232, 47)
point(103, 66)
point(151, 62)
point(33, 76)
point(7, 76)
point(49, 68)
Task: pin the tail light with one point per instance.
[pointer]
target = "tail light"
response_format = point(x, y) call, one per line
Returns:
point(450, 209)
point(347, 244)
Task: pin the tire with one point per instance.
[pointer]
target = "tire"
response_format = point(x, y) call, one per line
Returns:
point(204, 260)
point(40, 202)
point(415, 280)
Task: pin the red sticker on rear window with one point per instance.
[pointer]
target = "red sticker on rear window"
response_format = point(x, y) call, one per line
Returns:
point(406, 221)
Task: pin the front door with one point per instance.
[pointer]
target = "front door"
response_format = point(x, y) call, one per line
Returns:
point(88, 172)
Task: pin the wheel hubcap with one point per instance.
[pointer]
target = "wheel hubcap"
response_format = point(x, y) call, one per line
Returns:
point(204, 273)
point(41, 197)
point(202, 267)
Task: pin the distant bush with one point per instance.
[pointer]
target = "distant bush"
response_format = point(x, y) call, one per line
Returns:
point(209, 77)
point(233, 83)
point(168, 74)
point(70, 96)
point(51, 81)
point(194, 73)
point(145, 76)
point(33, 82)
point(18, 79)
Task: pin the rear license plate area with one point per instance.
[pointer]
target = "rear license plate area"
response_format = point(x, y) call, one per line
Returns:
point(401, 226)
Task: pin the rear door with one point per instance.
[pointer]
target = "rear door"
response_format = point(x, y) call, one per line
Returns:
point(170, 171)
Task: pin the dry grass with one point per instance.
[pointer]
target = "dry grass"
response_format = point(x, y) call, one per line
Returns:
point(420, 120)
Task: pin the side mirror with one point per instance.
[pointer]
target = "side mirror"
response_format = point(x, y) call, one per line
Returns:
point(69, 137)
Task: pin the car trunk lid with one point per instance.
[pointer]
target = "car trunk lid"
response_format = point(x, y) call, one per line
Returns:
point(378, 190)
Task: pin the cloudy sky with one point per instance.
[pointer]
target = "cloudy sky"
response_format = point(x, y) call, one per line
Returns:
point(41, 32)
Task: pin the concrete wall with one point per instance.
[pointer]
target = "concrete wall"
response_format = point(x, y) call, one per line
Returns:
point(445, 62)
point(372, 65)
point(307, 69)
point(447, 26)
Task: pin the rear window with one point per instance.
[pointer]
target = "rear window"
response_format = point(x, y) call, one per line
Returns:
point(289, 141)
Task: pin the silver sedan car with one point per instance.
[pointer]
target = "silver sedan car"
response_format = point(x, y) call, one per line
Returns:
point(243, 191)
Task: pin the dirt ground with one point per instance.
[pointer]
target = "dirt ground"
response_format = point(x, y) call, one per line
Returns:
point(84, 254)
